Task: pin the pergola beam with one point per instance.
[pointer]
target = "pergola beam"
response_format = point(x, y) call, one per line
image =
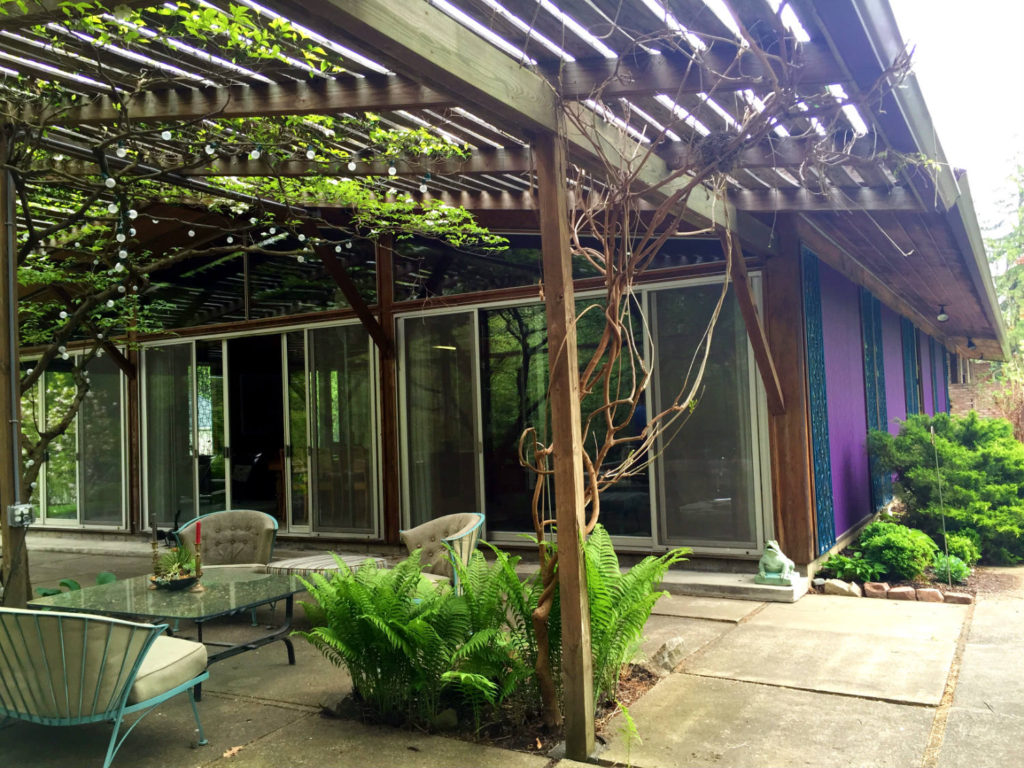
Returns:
point(777, 200)
point(774, 152)
point(486, 160)
point(313, 97)
point(677, 74)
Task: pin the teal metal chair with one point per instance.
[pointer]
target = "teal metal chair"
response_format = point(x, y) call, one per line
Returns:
point(443, 538)
point(75, 668)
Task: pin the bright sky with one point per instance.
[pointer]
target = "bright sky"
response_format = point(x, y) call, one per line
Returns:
point(969, 62)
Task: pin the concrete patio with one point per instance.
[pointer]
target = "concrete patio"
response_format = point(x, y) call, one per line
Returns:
point(826, 681)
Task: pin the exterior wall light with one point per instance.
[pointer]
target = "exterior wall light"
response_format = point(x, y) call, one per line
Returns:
point(942, 316)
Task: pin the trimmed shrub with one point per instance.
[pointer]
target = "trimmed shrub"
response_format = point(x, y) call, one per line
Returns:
point(905, 552)
point(981, 467)
point(963, 545)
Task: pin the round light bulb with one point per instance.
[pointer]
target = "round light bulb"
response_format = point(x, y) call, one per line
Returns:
point(120, 237)
point(99, 335)
point(351, 165)
point(230, 240)
point(119, 267)
point(110, 302)
point(392, 170)
point(132, 213)
point(112, 208)
point(63, 315)
point(337, 249)
point(78, 244)
point(110, 182)
point(132, 232)
point(423, 188)
point(62, 349)
point(272, 230)
point(120, 289)
point(165, 135)
point(191, 233)
point(121, 152)
point(301, 259)
point(122, 254)
point(348, 244)
point(65, 356)
point(310, 154)
point(99, 353)
point(209, 149)
point(302, 238)
point(254, 155)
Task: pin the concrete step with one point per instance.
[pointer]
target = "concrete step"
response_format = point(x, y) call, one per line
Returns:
point(736, 586)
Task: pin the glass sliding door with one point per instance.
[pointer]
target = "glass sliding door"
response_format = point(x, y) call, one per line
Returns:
point(439, 387)
point(298, 434)
point(100, 446)
point(342, 417)
point(257, 424)
point(708, 477)
point(513, 396)
point(169, 443)
point(61, 480)
point(209, 440)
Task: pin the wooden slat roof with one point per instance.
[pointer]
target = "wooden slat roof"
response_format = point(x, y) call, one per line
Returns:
point(912, 230)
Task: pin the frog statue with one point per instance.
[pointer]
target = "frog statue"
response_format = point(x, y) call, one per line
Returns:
point(774, 567)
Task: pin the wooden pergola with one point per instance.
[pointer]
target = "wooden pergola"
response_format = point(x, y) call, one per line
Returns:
point(498, 74)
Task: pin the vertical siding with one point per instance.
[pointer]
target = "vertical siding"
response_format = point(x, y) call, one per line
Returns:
point(847, 414)
point(892, 344)
point(924, 351)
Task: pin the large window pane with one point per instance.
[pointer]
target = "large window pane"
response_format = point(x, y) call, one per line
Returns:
point(62, 453)
point(168, 407)
point(342, 407)
point(210, 425)
point(298, 437)
point(514, 382)
point(100, 422)
point(440, 416)
point(707, 470)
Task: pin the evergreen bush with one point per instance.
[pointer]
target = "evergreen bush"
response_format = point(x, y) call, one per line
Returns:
point(963, 545)
point(981, 467)
point(950, 568)
point(905, 552)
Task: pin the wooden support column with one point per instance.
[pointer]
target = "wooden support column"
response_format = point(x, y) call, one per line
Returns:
point(559, 302)
point(752, 321)
point(790, 431)
point(134, 390)
point(389, 424)
point(17, 589)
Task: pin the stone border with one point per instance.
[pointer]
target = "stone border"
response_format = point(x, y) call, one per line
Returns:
point(882, 590)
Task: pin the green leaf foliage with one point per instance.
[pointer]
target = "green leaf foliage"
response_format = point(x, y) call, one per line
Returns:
point(965, 546)
point(981, 467)
point(904, 552)
point(855, 567)
point(414, 648)
point(950, 568)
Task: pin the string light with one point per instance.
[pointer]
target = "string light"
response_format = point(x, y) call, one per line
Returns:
point(209, 148)
point(165, 135)
point(120, 237)
point(112, 208)
point(310, 154)
point(132, 213)
point(392, 170)
point(63, 315)
point(254, 155)
point(351, 165)
point(122, 254)
point(121, 152)
point(191, 233)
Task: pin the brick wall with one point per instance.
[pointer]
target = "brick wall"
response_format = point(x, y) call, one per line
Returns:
point(976, 396)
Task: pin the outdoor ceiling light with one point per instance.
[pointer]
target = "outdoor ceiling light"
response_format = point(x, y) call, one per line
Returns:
point(970, 343)
point(942, 316)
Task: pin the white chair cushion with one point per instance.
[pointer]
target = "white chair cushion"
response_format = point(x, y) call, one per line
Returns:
point(170, 662)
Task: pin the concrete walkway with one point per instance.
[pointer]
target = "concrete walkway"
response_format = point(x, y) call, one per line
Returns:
point(827, 681)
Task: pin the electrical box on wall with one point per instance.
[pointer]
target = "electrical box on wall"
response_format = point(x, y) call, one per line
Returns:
point(20, 515)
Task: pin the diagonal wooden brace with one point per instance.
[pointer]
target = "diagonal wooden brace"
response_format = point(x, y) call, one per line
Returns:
point(752, 321)
point(336, 269)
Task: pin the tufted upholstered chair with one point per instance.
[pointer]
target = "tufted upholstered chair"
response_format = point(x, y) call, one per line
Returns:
point(232, 537)
point(460, 531)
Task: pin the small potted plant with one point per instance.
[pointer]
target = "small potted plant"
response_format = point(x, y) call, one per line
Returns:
point(176, 569)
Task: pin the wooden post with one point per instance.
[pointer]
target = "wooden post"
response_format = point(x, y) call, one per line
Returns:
point(17, 588)
point(559, 302)
point(790, 431)
point(388, 389)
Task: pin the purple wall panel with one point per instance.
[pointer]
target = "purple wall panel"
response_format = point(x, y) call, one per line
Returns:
point(844, 382)
point(892, 346)
point(925, 356)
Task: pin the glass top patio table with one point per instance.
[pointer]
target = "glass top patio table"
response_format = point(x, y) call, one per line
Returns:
point(225, 591)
